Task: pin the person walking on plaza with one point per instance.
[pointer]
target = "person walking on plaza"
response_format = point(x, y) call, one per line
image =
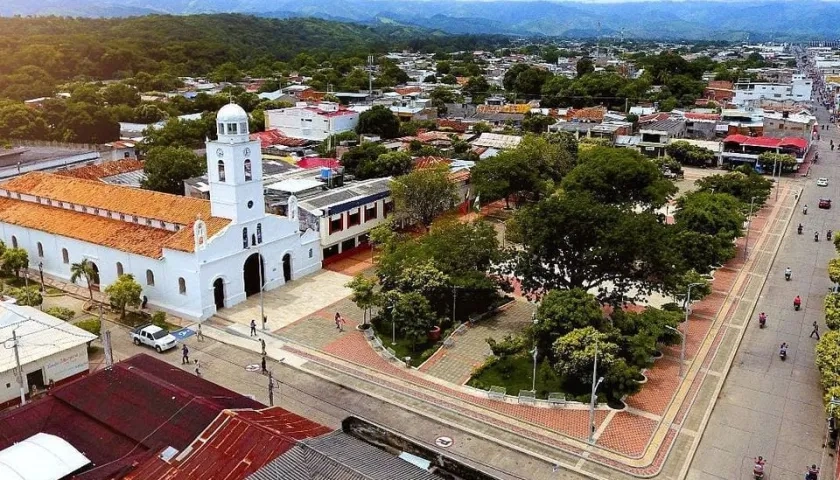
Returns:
point(262, 364)
point(262, 344)
point(199, 335)
point(815, 331)
point(185, 354)
point(339, 322)
point(253, 328)
point(197, 368)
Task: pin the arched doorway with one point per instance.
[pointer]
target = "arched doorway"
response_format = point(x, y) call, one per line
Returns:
point(253, 272)
point(287, 268)
point(219, 293)
point(94, 281)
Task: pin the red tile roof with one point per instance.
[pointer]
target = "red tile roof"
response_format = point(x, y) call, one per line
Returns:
point(408, 90)
point(236, 444)
point(427, 162)
point(768, 142)
point(702, 116)
point(455, 125)
point(269, 138)
point(104, 169)
point(119, 416)
point(654, 117)
point(313, 162)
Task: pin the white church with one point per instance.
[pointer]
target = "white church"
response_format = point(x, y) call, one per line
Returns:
point(191, 256)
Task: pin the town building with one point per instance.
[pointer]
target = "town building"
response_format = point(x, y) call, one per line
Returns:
point(747, 92)
point(657, 135)
point(740, 149)
point(51, 352)
point(191, 256)
point(786, 124)
point(311, 122)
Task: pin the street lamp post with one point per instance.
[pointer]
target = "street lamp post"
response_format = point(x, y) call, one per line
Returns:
point(682, 347)
point(41, 274)
point(749, 225)
point(595, 385)
point(534, 378)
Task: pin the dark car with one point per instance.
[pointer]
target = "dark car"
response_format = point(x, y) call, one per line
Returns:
point(825, 203)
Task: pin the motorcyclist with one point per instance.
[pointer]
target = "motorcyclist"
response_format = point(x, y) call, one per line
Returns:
point(816, 236)
point(758, 468)
point(805, 210)
point(813, 472)
point(799, 229)
point(797, 301)
point(783, 349)
point(762, 319)
point(788, 273)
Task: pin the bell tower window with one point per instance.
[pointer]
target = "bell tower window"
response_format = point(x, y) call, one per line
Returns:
point(221, 130)
point(221, 170)
point(248, 176)
point(231, 129)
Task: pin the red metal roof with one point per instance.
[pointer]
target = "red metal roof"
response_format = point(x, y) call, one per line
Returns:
point(426, 162)
point(768, 142)
point(119, 416)
point(313, 162)
point(276, 137)
point(236, 444)
point(702, 116)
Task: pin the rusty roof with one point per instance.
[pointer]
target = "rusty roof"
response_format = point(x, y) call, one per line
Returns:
point(130, 201)
point(236, 444)
point(104, 169)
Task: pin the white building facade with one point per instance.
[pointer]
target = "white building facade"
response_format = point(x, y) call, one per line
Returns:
point(192, 257)
point(799, 90)
point(310, 122)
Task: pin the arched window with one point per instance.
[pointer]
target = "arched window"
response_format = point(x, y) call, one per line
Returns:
point(150, 278)
point(221, 130)
point(245, 237)
point(40, 250)
point(248, 176)
point(182, 286)
point(65, 257)
point(310, 253)
point(119, 269)
point(259, 233)
point(231, 129)
point(14, 242)
point(221, 170)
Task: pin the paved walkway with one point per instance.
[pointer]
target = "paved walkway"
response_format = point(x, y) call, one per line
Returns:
point(455, 364)
point(768, 407)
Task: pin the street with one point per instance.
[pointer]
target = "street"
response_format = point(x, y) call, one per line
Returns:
point(767, 406)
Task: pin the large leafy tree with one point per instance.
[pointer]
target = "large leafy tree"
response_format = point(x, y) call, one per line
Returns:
point(619, 176)
point(413, 315)
point(14, 260)
point(364, 293)
point(422, 195)
point(166, 168)
point(711, 214)
point(124, 292)
point(385, 165)
point(379, 120)
point(743, 184)
point(359, 157)
point(572, 241)
point(562, 311)
point(574, 353)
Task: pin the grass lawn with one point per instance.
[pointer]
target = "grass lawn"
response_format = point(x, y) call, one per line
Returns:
point(516, 373)
point(21, 282)
point(422, 349)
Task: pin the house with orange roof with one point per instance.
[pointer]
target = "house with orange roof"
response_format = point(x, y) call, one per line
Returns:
point(191, 256)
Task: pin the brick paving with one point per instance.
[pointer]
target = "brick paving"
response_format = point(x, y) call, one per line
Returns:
point(455, 364)
point(627, 433)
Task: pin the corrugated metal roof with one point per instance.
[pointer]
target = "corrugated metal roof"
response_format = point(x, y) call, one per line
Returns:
point(339, 456)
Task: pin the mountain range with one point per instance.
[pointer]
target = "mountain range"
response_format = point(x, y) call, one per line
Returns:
point(702, 20)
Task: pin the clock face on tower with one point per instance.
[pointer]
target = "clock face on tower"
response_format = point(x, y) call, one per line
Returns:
point(220, 152)
point(247, 151)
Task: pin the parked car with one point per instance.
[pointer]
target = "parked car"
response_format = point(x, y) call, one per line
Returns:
point(822, 182)
point(153, 336)
point(825, 203)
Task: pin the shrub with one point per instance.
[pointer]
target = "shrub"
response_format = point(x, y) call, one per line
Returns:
point(24, 296)
point(159, 319)
point(834, 270)
point(828, 359)
point(93, 326)
point(61, 312)
point(832, 310)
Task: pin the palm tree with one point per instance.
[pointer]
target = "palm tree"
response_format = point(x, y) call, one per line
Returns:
point(85, 269)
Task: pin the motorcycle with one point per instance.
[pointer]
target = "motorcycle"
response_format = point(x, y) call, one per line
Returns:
point(787, 276)
point(799, 229)
point(783, 354)
point(816, 236)
point(762, 321)
point(805, 210)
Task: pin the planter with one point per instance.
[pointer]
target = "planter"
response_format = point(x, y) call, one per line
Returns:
point(434, 334)
point(616, 405)
point(363, 327)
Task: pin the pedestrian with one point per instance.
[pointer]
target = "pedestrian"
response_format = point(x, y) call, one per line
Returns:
point(199, 334)
point(339, 322)
point(815, 331)
point(253, 328)
point(197, 368)
point(185, 354)
point(265, 320)
point(264, 370)
point(262, 344)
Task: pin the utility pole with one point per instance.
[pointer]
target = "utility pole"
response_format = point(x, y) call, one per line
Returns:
point(19, 368)
point(749, 225)
point(109, 354)
point(270, 389)
point(370, 77)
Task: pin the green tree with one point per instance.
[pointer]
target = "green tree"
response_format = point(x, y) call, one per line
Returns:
point(414, 316)
point(357, 157)
point(562, 311)
point(166, 168)
point(379, 120)
point(481, 127)
point(537, 123)
point(710, 214)
point(688, 154)
point(87, 271)
point(364, 294)
point(385, 165)
point(14, 260)
point(574, 353)
point(584, 66)
point(226, 72)
point(27, 296)
point(619, 176)
point(148, 113)
point(121, 94)
point(743, 186)
point(124, 292)
point(422, 195)
point(780, 161)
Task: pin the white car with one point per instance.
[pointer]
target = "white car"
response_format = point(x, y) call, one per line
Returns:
point(153, 336)
point(822, 182)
